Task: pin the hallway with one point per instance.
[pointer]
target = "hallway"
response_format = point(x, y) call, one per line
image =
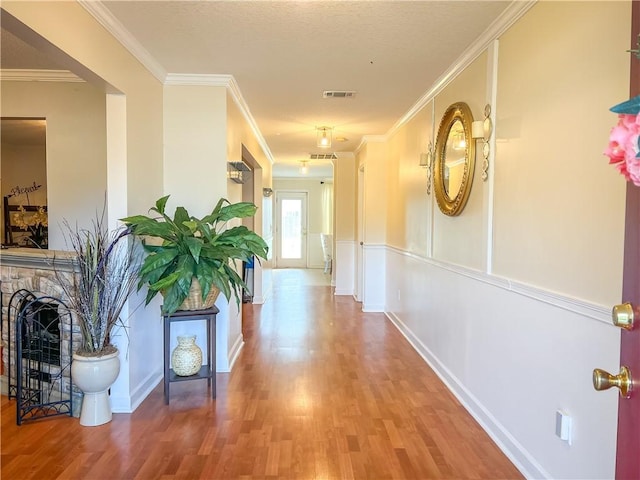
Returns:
point(320, 391)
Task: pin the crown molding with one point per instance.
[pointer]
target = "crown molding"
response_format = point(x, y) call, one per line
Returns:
point(105, 18)
point(340, 155)
point(232, 87)
point(24, 75)
point(510, 15)
point(375, 138)
point(206, 79)
point(371, 139)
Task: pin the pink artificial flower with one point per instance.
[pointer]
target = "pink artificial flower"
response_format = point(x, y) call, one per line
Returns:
point(623, 147)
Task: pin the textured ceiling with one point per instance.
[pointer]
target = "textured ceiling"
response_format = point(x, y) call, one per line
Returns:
point(284, 54)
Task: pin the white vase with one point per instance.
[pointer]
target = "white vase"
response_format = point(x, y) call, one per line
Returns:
point(186, 358)
point(94, 376)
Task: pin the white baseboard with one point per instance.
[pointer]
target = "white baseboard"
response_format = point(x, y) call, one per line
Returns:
point(262, 299)
point(234, 353)
point(373, 307)
point(129, 404)
point(343, 292)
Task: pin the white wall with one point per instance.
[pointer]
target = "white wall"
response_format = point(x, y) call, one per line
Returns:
point(195, 147)
point(510, 301)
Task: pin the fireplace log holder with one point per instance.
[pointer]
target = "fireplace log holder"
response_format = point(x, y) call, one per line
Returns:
point(39, 373)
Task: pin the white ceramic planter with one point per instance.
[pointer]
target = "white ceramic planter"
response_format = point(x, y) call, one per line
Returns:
point(94, 376)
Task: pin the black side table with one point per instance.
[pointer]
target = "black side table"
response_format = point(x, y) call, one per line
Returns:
point(207, 371)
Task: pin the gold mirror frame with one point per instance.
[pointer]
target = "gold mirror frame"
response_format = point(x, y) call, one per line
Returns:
point(453, 206)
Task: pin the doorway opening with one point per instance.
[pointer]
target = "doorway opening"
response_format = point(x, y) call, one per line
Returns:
point(291, 228)
point(24, 182)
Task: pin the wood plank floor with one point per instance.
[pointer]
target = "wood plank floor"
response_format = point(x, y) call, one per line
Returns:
point(320, 391)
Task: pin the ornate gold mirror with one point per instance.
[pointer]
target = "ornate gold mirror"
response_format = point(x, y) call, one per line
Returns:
point(455, 157)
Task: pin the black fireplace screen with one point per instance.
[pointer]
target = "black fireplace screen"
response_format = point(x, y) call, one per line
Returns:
point(39, 352)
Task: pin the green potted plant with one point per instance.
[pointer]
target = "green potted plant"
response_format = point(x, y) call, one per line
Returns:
point(105, 265)
point(193, 258)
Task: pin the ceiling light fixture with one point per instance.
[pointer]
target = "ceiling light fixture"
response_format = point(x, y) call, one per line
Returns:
point(304, 169)
point(323, 136)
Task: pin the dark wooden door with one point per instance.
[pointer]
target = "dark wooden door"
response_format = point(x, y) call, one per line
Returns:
point(628, 447)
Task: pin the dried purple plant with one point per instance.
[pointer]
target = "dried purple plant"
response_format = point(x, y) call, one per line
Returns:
point(106, 265)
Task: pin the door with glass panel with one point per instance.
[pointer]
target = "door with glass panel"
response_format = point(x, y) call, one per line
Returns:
point(291, 211)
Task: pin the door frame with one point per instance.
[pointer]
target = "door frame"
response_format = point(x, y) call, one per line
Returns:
point(360, 237)
point(278, 261)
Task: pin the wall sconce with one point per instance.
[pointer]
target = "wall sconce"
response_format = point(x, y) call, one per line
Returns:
point(481, 130)
point(235, 175)
point(323, 137)
point(487, 130)
point(304, 169)
point(426, 161)
point(477, 130)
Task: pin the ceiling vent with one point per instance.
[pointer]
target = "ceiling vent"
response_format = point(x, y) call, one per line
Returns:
point(338, 94)
point(323, 156)
point(238, 171)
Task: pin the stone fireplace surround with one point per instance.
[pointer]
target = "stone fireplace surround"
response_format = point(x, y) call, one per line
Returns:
point(32, 270)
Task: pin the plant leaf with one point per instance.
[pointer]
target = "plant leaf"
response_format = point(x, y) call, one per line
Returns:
point(628, 107)
point(144, 226)
point(195, 246)
point(219, 279)
point(161, 203)
point(166, 282)
point(205, 277)
point(150, 295)
point(237, 210)
point(158, 260)
point(180, 217)
point(171, 301)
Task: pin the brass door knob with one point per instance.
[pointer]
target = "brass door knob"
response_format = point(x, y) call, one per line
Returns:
point(603, 380)
point(623, 316)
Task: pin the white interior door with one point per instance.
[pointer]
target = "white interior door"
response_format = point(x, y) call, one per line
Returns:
point(360, 237)
point(291, 230)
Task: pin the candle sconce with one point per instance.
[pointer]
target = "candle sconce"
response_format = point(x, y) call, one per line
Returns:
point(487, 130)
point(426, 161)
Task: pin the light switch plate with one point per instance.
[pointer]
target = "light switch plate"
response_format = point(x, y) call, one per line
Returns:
point(563, 426)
